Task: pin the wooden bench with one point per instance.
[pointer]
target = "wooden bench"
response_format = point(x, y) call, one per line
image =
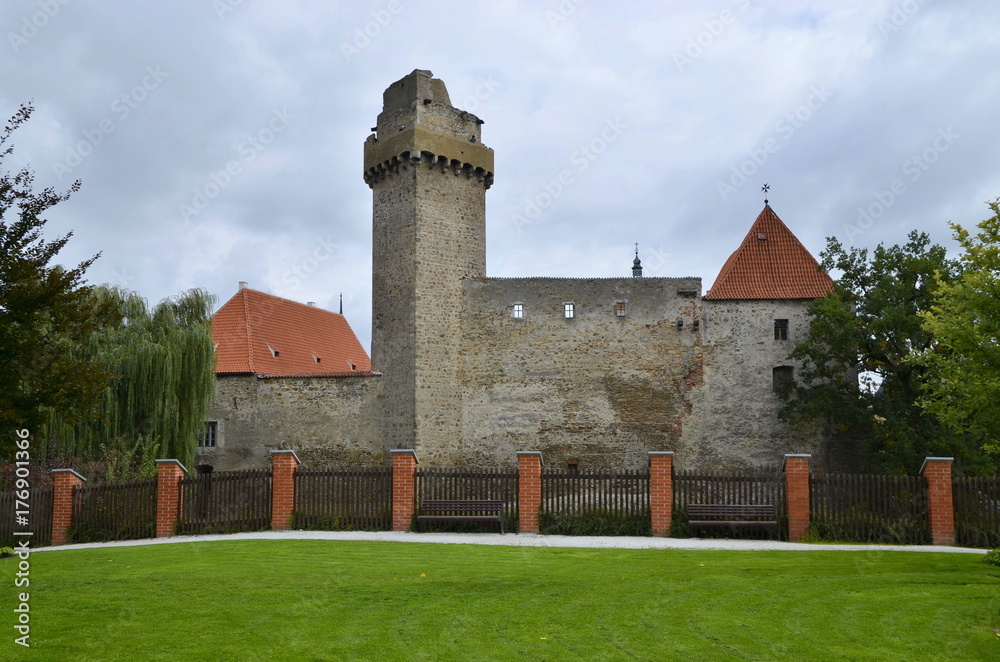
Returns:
point(455, 510)
point(703, 515)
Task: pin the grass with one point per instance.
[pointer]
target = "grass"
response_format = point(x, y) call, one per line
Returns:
point(338, 600)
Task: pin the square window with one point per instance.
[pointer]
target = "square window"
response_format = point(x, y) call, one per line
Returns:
point(569, 311)
point(621, 308)
point(782, 379)
point(518, 311)
point(206, 439)
point(781, 329)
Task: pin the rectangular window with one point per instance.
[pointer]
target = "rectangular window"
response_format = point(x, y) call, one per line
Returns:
point(782, 379)
point(781, 329)
point(518, 312)
point(206, 439)
point(621, 308)
point(568, 311)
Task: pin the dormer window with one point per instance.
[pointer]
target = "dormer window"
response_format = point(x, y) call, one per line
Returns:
point(275, 353)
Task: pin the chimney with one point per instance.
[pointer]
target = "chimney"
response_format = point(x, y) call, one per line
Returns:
point(244, 285)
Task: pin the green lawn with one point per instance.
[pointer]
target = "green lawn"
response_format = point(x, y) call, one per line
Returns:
point(337, 600)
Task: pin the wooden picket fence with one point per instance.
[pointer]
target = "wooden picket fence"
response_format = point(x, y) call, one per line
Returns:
point(226, 502)
point(977, 510)
point(114, 511)
point(474, 484)
point(39, 518)
point(595, 502)
point(344, 498)
point(869, 508)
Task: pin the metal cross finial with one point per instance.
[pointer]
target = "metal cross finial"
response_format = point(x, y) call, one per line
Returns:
point(765, 188)
point(637, 249)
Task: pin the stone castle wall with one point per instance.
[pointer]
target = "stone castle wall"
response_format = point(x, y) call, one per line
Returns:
point(325, 420)
point(597, 389)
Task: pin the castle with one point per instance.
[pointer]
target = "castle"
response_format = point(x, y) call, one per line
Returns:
point(467, 369)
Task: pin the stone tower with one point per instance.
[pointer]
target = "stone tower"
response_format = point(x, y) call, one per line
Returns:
point(428, 171)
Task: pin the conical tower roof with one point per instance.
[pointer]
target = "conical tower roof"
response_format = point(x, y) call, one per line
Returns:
point(771, 263)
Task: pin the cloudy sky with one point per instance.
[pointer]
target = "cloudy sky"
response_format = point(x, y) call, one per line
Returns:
point(612, 123)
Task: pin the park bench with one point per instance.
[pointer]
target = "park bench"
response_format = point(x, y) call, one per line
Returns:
point(444, 510)
point(732, 515)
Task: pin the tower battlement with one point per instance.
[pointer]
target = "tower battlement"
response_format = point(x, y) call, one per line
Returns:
point(419, 126)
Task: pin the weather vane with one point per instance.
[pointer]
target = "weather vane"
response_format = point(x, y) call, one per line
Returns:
point(765, 188)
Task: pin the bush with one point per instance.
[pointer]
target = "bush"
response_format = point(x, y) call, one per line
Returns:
point(992, 557)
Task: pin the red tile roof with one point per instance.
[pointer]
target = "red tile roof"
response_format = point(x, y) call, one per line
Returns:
point(261, 334)
point(771, 263)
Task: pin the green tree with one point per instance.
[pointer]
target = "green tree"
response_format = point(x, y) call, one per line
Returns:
point(164, 380)
point(856, 377)
point(45, 310)
point(963, 388)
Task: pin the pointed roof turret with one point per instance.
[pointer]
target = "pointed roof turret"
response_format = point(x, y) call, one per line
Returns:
point(771, 263)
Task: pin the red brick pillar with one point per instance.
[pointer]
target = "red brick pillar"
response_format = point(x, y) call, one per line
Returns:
point(168, 496)
point(62, 503)
point(283, 465)
point(797, 495)
point(529, 490)
point(937, 471)
point(404, 488)
point(661, 490)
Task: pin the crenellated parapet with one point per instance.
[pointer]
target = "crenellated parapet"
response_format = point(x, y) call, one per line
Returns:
point(416, 147)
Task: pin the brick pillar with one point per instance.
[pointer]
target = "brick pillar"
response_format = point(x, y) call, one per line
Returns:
point(937, 472)
point(62, 503)
point(283, 465)
point(661, 490)
point(168, 496)
point(797, 495)
point(404, 488)
point(529, 490)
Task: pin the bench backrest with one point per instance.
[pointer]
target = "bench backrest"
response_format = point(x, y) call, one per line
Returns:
point(461, 506)
point(697, 510)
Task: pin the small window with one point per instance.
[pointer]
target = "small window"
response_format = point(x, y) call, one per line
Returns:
point(518, 312)
point(206, 439)
point(782, 379)
point(621, 308)
point(781, 329)
point(569, 311)
point(573, 467)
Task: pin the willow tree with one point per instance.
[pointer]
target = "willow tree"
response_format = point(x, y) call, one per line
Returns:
point(162, 361)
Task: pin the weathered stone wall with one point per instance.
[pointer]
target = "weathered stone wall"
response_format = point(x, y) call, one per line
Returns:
point(596, 389)
point(734, 420)
point(325, 420)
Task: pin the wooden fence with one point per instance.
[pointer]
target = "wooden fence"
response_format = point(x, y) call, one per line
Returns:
point(477, 484)
point(595, 503)
point(869, 508)
point(114, 511)
point(339, 499)
point(977, 510)
point(748, 487)
point(39, 518)
point(226, 502)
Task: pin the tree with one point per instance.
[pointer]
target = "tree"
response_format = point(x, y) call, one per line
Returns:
point(44, 310)
point(963, 388)
point(164, 379)
point(866, 331)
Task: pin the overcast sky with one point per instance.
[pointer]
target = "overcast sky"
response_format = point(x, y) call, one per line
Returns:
point(612, 123)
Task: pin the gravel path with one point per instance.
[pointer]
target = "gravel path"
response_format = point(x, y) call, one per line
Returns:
point(525, 540)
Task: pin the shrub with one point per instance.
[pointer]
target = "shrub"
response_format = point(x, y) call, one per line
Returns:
point(992, 557)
